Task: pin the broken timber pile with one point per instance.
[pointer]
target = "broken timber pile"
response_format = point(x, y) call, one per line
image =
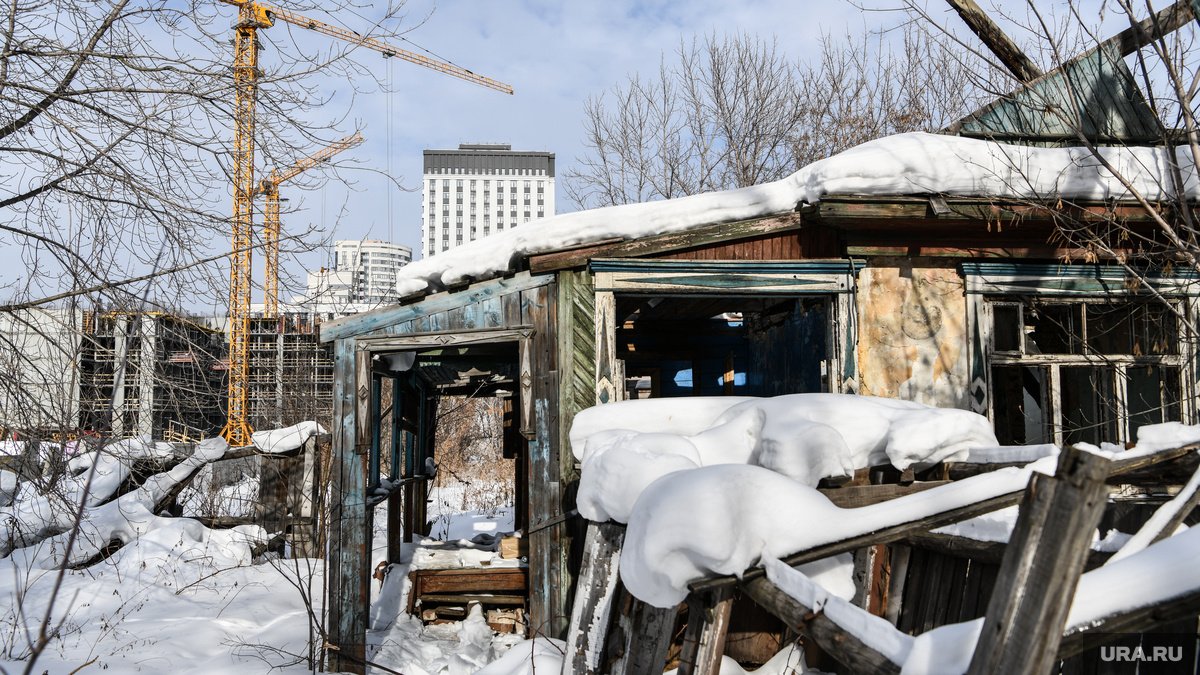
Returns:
point(613, 632)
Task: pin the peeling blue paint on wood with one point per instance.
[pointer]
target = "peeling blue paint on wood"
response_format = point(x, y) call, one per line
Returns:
point(348, 596)
point(380, 319)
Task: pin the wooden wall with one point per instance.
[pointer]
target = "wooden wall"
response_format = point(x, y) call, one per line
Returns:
point(913, 340)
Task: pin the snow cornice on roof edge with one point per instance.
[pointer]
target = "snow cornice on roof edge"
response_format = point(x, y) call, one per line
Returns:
point(905, 164)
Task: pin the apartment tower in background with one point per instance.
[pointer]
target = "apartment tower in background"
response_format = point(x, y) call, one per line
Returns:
point(363, 277)
point(480, 189)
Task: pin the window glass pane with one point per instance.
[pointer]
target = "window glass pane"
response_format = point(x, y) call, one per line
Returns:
point(1155, 330)
point(1088, 405)
point(1152, 396)
point(1019, 405)
point(1055, 328)
point(1006, 327)
point(1139, 329)
point(1109, 328)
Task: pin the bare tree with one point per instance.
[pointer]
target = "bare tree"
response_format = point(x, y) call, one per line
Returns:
point(734, 111)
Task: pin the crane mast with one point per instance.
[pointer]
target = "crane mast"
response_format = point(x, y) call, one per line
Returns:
point(269, 189)
point(251, 17)
point(245, 87)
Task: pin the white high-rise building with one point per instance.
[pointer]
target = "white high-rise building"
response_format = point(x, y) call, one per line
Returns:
point(476, 190)
point(363, 276)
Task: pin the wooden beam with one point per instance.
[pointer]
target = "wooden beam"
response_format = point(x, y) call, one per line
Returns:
point(996, 40)
point(348, 594)
point(640, 637)
point(665, 243)
point(845, 211)
point(1139, 620)
point(899, 531)
point(1182, 511)
point(885, 535)
point(832, 638)
point(854, 496)
point(1048, 251)
point(1164, 22)
point(1041, 568)
point(707, 625)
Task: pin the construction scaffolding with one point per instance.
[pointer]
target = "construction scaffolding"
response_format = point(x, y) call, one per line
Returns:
point(144, 373)
point(291, 372)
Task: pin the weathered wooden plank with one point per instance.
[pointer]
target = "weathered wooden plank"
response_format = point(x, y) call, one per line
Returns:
point(991, 552)
point(707, 625)
point(846, 211)
point(1141, 619)
point(348, 577)
point(469, 580)
point(646, 246)
point(548, 537)
point(1024, 622)
point(367, 322)
point(779, 246)
point(1004, 252)
point(838, 643)
point(853, 496)
point(640, 637)
point(596, 595)
point(577, 355)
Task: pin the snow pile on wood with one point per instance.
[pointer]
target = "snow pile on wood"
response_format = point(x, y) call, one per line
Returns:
point(287, 438)
point(626, 446)
point(914, 163)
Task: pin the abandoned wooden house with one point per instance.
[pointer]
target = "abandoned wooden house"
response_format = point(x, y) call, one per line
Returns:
point(970, 301)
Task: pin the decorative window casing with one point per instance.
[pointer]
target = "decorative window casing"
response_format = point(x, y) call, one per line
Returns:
point(1079, 353)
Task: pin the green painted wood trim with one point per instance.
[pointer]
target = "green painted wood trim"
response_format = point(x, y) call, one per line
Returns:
point(1073, 280)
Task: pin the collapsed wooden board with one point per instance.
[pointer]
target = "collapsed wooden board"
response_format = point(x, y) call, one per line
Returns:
point(489, 587)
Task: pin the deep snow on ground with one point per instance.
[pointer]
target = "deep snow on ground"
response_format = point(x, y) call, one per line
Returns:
point(183, 598)
point(180, 597)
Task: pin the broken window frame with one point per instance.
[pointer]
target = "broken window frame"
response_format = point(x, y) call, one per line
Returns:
point(992, 285)
point(1116, 427)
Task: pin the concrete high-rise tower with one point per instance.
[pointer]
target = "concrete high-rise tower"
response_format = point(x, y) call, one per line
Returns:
point(476, 190)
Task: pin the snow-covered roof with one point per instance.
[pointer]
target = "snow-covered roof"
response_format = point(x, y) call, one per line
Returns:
point(914, 163)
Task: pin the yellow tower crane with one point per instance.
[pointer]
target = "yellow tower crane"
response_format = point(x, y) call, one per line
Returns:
point(251, 17)
point(269, 189)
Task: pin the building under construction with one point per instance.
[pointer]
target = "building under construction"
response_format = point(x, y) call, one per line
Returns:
point(291, 372)
point(150, 373)
point(163, 375)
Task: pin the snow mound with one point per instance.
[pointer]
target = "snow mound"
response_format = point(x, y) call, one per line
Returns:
point(287, 438)
point(805, 437)
point(720, 520)
point(913, 163)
